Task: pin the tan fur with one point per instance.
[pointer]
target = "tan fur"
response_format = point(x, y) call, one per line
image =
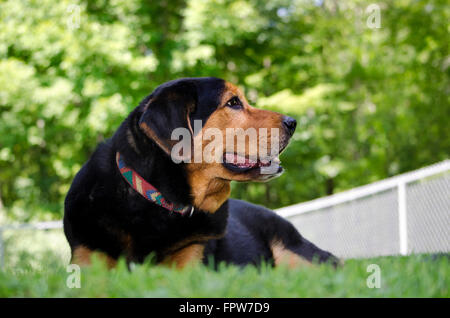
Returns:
point(151, 134)
point(208, 193)
point(283, 256)
point(191, 254)
point(194, 239)
point(210, 182)
point(83, 257)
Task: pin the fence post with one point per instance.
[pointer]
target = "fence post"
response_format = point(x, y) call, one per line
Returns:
point(402, 218)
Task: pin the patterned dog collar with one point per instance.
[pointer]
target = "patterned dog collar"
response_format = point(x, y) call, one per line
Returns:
point(147, 190)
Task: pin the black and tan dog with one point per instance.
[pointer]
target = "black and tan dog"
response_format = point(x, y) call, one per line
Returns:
point(130, 199)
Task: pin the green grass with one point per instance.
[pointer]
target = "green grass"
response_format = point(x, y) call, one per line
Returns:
point(414, 276)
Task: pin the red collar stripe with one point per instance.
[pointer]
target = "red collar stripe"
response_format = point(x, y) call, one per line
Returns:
point(146, 189)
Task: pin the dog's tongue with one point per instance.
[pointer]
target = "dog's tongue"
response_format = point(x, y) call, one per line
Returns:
point(240, 161)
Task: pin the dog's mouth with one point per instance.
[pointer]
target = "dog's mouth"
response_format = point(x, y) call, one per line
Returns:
point(241, 164)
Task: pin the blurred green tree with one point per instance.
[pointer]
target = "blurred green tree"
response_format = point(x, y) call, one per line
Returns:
point(370, 102)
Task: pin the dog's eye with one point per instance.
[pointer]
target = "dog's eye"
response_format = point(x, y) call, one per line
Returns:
point(234, 103)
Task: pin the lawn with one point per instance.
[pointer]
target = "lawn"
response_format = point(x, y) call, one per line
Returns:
point(413, 276)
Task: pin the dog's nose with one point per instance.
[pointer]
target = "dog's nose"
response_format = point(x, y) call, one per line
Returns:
point(290, 124)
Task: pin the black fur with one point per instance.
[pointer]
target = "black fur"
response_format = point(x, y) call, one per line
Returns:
point(103, 213)
point(250, 231)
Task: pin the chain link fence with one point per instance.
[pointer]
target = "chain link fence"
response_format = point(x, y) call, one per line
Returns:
point(406, 214)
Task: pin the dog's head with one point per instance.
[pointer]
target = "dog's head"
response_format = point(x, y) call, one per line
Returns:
point(225, 138)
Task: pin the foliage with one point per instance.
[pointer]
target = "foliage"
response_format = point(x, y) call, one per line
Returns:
point(370, 102)
point(414, 276)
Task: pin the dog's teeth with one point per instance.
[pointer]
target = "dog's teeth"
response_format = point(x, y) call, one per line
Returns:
point(276, 160)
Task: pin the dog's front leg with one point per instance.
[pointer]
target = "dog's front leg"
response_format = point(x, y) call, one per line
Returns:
point(191, 254)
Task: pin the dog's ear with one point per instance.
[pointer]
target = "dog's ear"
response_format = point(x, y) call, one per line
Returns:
point(169, 108)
